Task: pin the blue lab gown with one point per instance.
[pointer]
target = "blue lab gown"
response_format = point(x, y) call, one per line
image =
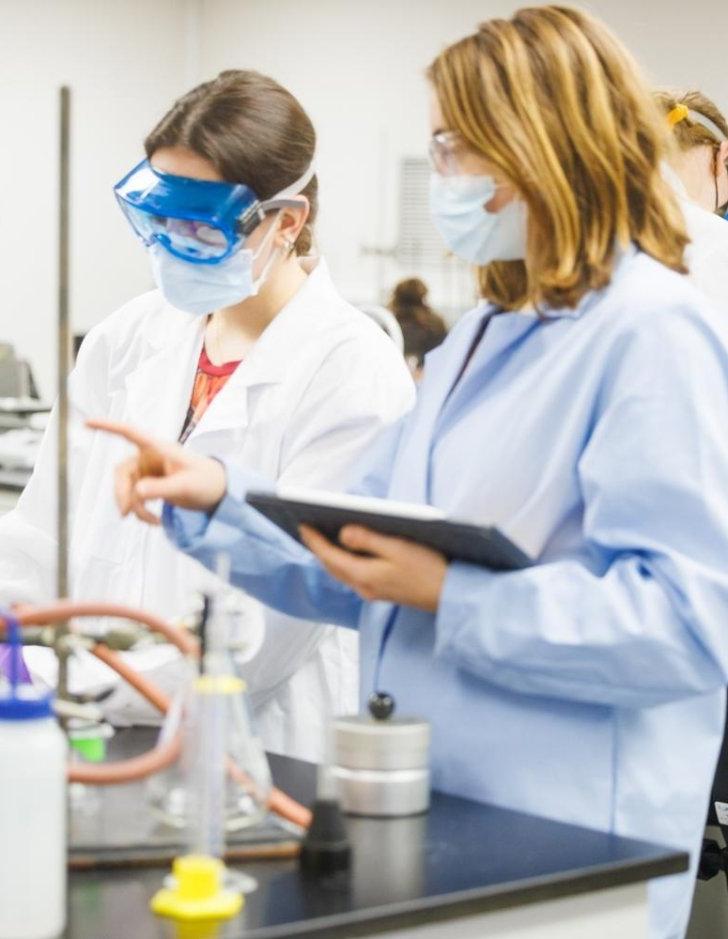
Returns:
point(590, 687)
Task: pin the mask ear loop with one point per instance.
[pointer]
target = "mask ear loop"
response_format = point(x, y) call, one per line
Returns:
point(274, 255)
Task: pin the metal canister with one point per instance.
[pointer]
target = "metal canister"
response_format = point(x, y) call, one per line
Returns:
point(382, 766)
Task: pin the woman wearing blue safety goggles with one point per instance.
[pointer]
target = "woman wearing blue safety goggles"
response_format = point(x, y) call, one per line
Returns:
point(245, 349)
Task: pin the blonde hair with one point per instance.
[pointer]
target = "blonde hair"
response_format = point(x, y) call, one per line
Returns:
point(686, 109)
point(555, 102)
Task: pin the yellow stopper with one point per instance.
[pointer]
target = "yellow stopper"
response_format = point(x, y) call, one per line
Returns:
point(198, 893)
point(219, 684)
point(678, 113)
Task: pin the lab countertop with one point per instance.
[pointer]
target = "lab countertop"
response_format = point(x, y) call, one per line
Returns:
point(461, 858)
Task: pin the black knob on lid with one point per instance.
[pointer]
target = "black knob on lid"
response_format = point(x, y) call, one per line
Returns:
point(381, 705)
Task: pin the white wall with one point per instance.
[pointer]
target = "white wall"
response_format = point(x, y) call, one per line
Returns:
point(124, 61)
point(357, 67)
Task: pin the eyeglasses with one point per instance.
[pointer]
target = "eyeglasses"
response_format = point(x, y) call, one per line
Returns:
point(443, 152)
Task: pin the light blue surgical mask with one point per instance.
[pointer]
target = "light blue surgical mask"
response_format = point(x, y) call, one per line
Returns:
point(469, 230)
point(204, 288)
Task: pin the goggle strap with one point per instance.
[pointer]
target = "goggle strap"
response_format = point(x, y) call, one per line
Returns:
point(279, 203)
point(297, 185)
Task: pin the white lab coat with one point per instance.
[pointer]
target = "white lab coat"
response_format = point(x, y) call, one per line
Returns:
point(317, 387)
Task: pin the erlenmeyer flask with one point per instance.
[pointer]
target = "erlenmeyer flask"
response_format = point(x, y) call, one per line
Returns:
point(167, 791)
point(247, 777)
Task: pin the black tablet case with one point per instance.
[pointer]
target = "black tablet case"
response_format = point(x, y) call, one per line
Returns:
point(458, 541)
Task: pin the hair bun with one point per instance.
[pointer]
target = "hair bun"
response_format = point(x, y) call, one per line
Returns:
point(412, 290)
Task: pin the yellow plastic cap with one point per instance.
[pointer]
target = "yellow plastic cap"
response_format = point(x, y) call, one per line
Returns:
point(198, 893)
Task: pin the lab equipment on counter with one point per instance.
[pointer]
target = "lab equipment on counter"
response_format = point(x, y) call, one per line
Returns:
point(87, 740)
point(198, 889)
point(32, 809)
point(21, 434)
point(381, 762)
point(16, 376)
point(164, 754)
point(328, 512)
point(247, 783)
point(326, 850)
point(219, 749)
point(19, 447)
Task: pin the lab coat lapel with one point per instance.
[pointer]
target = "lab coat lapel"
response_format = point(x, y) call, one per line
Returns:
point(229, 411)
point(410, 481)
point(503, 333)
point(267, 363)
point(275, 355)
point(159, 389)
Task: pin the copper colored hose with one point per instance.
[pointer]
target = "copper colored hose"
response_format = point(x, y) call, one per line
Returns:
point(147, 689)
point(66, 609)
point(132, 769)
point(161, 756)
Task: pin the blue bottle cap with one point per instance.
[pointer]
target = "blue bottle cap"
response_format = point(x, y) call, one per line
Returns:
point(22, 702)
point(25, 704)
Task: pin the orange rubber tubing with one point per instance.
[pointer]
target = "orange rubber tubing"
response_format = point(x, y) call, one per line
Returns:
point(161, 756)
point(67, 609)
point(146, 688)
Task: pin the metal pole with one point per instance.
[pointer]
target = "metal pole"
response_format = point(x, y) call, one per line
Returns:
point(64, 360)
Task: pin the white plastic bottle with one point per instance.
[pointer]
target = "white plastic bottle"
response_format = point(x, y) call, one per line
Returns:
point(32, 817)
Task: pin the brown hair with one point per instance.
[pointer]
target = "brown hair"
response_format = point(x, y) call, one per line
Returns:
point(689, 132)
point(252, 130)
point(409, 302)
point(555, 102)
point(422, 328)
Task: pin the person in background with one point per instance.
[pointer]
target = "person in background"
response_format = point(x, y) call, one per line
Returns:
point(422, 328)
point(582, 408)
point(246, 348)
point(698, 171)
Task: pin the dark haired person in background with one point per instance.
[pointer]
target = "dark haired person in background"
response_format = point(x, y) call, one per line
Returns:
point(422, 328)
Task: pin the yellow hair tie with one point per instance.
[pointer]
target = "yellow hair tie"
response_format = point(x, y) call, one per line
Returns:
point(678, 113)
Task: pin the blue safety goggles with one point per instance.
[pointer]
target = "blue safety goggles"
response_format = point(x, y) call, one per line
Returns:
point(197, 220)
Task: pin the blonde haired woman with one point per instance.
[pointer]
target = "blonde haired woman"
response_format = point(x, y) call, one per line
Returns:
point(582, 408)
point(698, 171)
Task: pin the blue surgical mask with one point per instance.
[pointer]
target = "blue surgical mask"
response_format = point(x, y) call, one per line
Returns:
point(469, 230)
point(204, 288)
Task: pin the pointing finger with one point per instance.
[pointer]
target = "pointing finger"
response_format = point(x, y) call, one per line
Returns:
point(123, 430)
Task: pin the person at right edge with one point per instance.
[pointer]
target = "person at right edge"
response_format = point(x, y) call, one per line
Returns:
point(582, 408)
point(698, 171)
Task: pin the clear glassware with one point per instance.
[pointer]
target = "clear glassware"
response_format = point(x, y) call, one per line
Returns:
point(200, 713)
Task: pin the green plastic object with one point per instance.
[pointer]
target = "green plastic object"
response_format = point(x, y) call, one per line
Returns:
point(91, 749)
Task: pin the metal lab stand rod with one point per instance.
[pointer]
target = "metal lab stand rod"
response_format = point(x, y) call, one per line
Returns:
point(64, 356)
